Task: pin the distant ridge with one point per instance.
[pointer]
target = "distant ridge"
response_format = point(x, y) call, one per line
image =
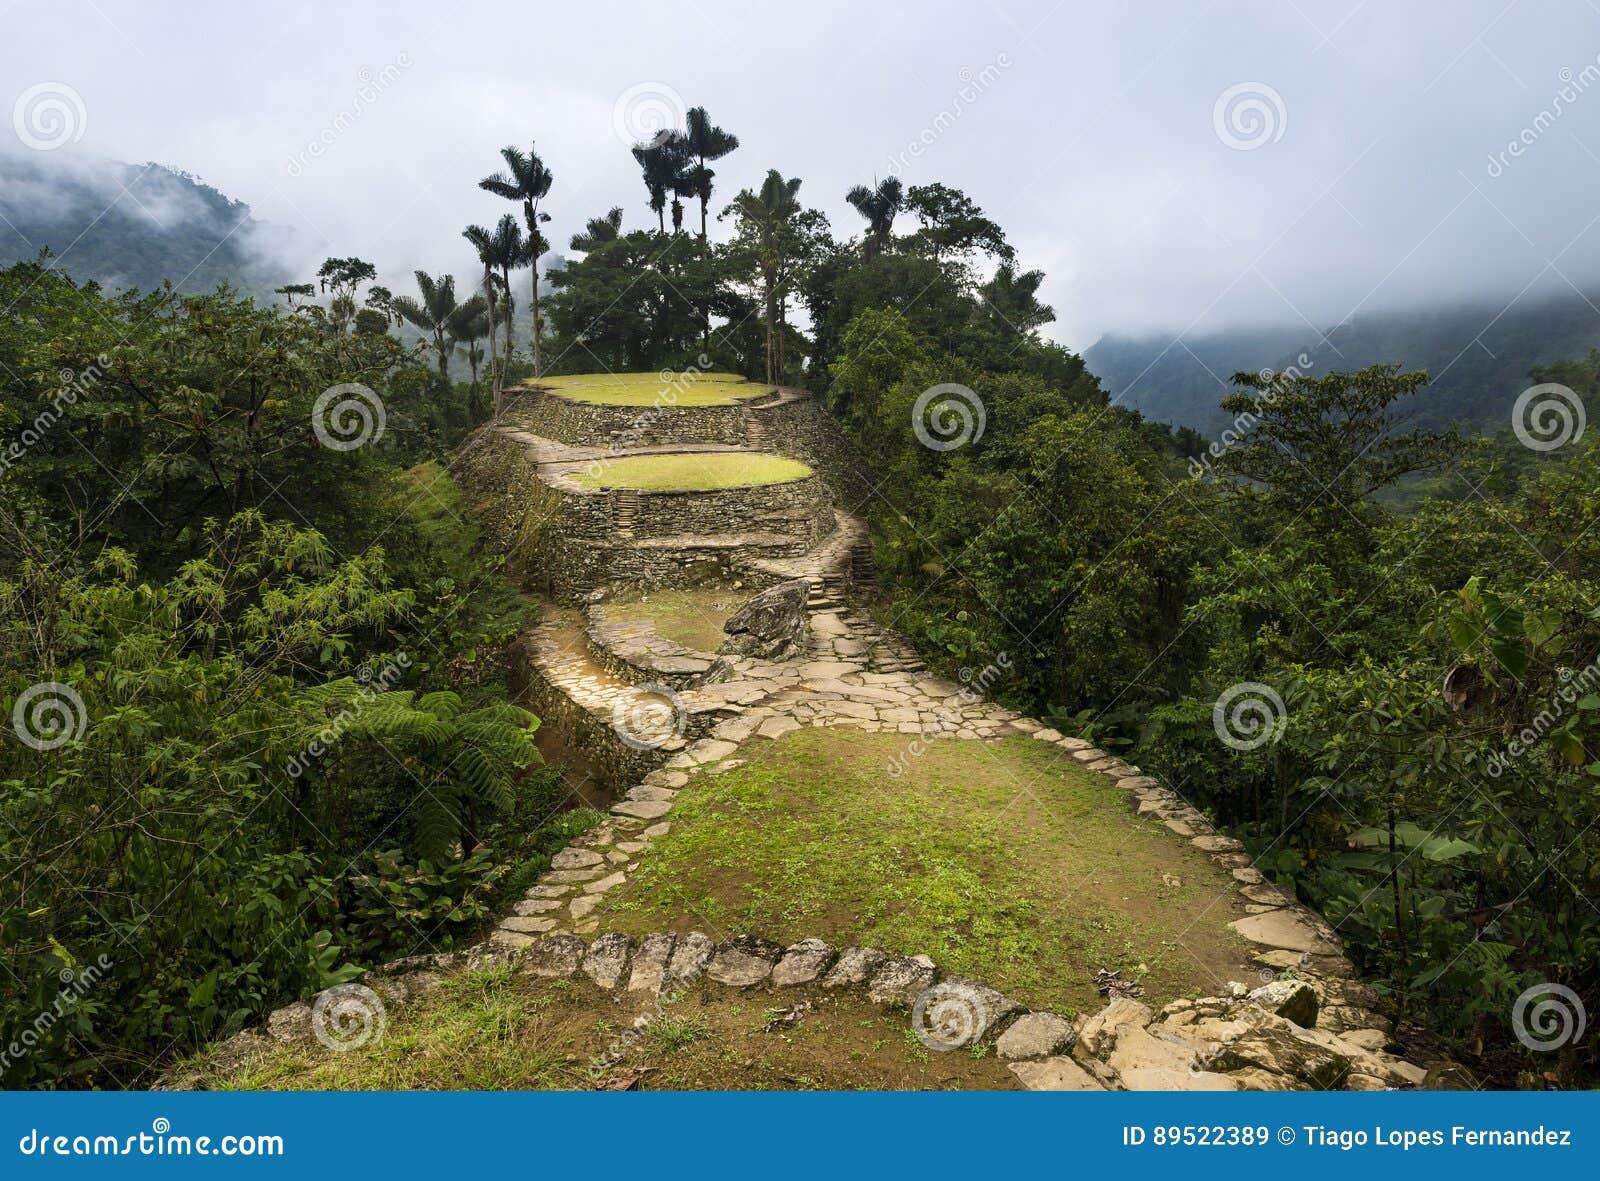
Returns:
point(127, 225)
point(1478, 357)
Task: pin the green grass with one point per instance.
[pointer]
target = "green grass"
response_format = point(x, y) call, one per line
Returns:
point(496, 1029)
point(1004, 861)
point(691, 617)
point(648, 389)
point(692, 471)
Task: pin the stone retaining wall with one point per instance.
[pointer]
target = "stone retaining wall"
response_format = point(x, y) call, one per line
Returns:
point(585, 424)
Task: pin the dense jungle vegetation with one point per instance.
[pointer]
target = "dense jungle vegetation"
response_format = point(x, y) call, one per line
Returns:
point(290, 753)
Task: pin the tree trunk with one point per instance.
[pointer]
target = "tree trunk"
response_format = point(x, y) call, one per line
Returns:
point(538, 370)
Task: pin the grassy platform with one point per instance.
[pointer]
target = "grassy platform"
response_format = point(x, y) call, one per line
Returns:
point(648, 389)
point(691, 617)
point(1004, 861)
point(692, 471)
point(494, 1030)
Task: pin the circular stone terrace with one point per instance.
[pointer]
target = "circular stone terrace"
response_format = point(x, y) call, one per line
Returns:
point(689, 388)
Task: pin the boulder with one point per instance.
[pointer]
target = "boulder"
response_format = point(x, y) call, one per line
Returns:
point(650, 962)
point(900, 980)
point(743, 961)
point(1293, 1000)
point(1099, 1032)
point(556, 956)
point(1055, 1074)
point(854, 967)
point(690, 957)
point(771, 626)
point(607, 961)
point(1036, 1035)
point(802, 963)
point(956, 1012)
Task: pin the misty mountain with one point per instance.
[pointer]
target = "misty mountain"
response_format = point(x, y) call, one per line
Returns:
point(127, 225)
point(1478, 357)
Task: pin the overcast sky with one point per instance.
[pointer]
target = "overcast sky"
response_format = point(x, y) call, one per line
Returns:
point(1357, 166)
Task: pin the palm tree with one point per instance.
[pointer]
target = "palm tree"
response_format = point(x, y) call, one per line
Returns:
point(1013, 297)
point(432, 313)
point(526, 179)
point(599, 230)
point(703, 142)
point(468, 324)
point(767, 218)
point(879, 207)
point(663, 164)
point(483, 242)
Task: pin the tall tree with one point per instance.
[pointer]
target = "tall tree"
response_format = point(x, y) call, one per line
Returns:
point(598, 231)
point(879, 206)
point(774, 240)
point(431, 314)
point(662, 161)
point(702, 142)
point(526, 179)
point(467, 325)
point(483, 242)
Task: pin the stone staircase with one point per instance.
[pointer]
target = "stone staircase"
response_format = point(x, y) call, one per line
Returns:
point(624, 511)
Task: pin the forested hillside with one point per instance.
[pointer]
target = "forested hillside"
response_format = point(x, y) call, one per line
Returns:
point(133, 226)
point(1477, 358)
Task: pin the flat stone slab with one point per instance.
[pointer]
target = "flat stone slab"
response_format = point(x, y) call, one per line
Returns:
point(555, 956)
point(900, 980)
point(643, 809)
point(650, 962)
point(690, 957)
point(802, 963)
point(1055, 1074)
point(1281, 928)
point(743, 961)
point(571, 858)
point(527, 925)
point(607, 960)
point(854, 967)
point(957, 1012)
point(1036, 1035)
